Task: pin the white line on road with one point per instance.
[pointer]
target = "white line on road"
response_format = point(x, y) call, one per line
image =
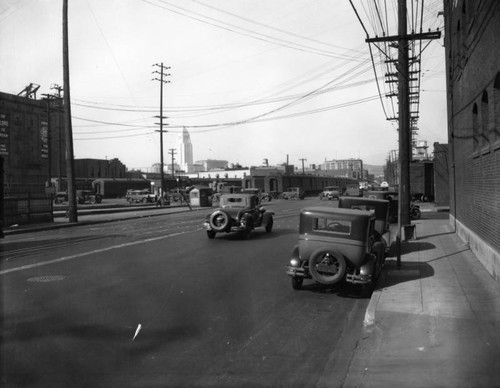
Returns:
point(76, 256)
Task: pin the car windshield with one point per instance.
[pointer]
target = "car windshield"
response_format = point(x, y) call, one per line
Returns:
point(234, 202)
point(332, 225)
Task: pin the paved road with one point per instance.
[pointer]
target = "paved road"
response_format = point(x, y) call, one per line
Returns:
point(154, 302)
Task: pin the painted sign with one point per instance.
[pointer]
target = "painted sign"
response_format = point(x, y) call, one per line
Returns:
point(4, 134)
point(44, 139)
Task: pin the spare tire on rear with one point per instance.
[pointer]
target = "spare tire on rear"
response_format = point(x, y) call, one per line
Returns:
point(219, 221)
point(327, 266)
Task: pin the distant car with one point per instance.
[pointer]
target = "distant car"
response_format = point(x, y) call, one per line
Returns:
point(336, 245)
point(263, 197)
point(391, 196)
point(137, 196)
point(330, 192)
point(238, 212)
point(60, 197)
point(293, 193)
point(84, 196)
point(176, 195)
point(352, 191)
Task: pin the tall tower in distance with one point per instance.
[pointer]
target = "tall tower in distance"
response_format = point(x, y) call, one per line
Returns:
point(186, 152)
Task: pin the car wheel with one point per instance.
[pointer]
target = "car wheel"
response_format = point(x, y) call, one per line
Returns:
point(327, 266)
point(415, 213)
point(211, 234)
point(297, 282)
point(219, 221)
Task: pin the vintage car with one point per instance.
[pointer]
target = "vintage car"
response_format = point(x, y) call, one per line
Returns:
point(238, 212)
point(335, 245)
point(82, 197)
point(85, 196)
point(136, 196)
point(352, 191)
point(380, 208)
point(330, 192)
point(293, 193)
point(391, 196)
point(263, 197)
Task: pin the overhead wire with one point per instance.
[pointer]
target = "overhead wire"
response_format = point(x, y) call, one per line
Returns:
point(213, 127)
point(241, 30)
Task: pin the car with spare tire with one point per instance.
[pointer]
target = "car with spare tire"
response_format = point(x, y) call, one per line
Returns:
point(238, 212)
point(337, 245)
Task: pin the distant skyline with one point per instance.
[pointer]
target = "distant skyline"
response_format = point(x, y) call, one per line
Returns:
point(249, 80)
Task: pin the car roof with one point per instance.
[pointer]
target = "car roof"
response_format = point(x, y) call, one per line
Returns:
point(238, 195)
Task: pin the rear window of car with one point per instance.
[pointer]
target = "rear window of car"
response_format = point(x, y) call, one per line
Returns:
point(332, 225)
point(234, 202)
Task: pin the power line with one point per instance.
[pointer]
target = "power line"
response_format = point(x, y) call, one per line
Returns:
point(244, 31)
point(213, 127)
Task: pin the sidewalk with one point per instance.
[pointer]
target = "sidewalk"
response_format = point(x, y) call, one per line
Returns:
point(433, 322)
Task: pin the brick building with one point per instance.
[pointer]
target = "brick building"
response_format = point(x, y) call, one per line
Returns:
point(472, 29)
point(30, 143)
point(99, 168)
point(349, 168)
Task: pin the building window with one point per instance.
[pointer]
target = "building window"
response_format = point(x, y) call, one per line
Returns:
point(495, 128)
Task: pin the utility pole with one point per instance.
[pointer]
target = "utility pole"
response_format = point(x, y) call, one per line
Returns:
point(403, 80)
point(172, 152)
point(404, 119)
point(302, 160)
point(70, 162)
point(161, 117)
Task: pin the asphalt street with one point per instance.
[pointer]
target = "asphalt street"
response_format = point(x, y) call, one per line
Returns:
point(152, 301)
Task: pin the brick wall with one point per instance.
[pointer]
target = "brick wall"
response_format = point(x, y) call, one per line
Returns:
point(473, 80)
point(441, 175)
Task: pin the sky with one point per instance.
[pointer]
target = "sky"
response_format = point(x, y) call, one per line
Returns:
point(282, 80)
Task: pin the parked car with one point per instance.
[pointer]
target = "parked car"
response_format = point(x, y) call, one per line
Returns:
point(380, 207)
point(136, 196)
point(263, 197)
point(87, 196)
point(391, 196)
point(60, 197)
point(335, 245)
point(330, 192)
point(293, 193)
point(352, 191)
point(82, 196)
point(238, 212)
point(176, 195)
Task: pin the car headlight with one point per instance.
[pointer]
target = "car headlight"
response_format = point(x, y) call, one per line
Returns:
point(295, 262)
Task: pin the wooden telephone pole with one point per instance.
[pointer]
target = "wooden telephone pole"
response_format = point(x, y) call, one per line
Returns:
point(161, 117)
point(70, 161)
point(402, 66)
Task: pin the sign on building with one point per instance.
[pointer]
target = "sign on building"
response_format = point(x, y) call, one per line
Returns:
point(4, 134)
